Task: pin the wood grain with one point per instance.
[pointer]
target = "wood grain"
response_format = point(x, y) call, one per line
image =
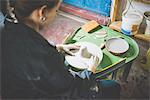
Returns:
point(114, 10)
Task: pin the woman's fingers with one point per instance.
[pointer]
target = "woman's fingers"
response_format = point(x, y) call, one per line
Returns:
point(96, 60)
point(66, 50)
point(73, 46)
point(92, 58)
point(93, 63)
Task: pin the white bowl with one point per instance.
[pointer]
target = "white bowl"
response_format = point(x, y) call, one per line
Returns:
point(80, 62)
point(117, 45)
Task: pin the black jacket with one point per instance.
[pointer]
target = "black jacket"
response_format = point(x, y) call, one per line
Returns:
point(31, 67)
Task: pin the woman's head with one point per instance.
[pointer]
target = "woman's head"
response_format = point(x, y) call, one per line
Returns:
point(34, 11)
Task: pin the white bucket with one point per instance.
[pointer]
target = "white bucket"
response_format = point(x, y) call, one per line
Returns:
point(147, 15)
point(130, 23)
point(147, 31)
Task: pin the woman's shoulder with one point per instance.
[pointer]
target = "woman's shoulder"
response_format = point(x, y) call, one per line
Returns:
point(20, 37)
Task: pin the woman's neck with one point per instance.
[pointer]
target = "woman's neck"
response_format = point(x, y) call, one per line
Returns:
point(32, 25)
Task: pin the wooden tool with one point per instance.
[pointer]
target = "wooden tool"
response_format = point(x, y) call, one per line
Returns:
point(90, 26)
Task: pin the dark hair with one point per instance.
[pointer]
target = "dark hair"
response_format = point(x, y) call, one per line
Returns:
point(23, 8)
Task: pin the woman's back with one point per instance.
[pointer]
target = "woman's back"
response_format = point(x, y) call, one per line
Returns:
point(29, 61)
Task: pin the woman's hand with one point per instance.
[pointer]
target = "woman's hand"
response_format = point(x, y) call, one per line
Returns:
point(67, 48)
point(92, 64)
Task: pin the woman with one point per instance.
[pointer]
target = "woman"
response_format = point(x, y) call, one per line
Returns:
point(31, 67)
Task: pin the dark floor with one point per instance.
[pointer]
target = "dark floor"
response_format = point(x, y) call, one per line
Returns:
point(137, 87)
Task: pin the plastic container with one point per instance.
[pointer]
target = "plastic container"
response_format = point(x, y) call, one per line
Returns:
point(130, 23)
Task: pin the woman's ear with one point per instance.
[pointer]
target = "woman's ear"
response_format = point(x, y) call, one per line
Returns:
point(42, 13)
